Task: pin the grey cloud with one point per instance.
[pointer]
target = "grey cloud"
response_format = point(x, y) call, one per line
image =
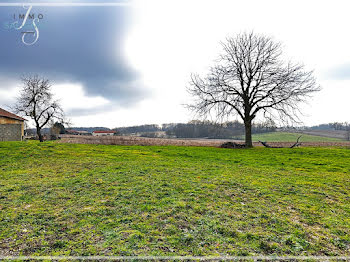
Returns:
point(76, 44)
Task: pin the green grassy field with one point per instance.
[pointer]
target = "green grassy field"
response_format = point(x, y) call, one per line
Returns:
point(67, 199)
point(291, 137)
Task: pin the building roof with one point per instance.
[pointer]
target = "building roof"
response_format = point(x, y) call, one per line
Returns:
point(102, 132)
point(7, 114)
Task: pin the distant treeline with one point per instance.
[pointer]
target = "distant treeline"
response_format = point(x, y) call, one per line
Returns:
point(331, 126)
point(196, 129)
point(139, 129)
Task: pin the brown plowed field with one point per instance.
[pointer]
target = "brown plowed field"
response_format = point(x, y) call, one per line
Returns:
point(132, 140)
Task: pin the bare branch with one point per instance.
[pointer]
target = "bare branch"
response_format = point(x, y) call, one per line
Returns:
point(265, 144)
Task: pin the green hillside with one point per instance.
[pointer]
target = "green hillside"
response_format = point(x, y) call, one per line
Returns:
point(290, 137)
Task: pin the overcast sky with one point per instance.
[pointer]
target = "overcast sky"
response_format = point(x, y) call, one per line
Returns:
point(126, 65)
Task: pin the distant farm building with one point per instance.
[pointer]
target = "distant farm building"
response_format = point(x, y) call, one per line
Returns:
point(11, 126)
point(104, 133)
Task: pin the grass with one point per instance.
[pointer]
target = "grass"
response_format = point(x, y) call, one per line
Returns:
point(69, 199)
point(291, 137)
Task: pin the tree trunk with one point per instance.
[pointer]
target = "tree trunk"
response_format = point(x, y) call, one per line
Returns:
point(38, 132)
point(248, 133)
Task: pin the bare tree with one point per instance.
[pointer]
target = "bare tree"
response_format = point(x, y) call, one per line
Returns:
point(251, 78)
point(36, 101)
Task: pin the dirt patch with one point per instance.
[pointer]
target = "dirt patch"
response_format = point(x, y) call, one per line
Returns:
point(232, 145)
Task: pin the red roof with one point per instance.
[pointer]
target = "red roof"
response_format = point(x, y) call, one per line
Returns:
point(7, 114)
point(101, 132)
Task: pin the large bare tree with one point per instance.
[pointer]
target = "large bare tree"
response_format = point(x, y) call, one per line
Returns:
point(36, 101)
point(250, 78)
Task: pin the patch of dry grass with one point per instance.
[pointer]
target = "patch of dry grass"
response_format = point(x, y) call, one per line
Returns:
point(143, 141)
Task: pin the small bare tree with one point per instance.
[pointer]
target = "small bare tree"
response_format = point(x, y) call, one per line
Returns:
point(36, 101)
point(251, 78)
